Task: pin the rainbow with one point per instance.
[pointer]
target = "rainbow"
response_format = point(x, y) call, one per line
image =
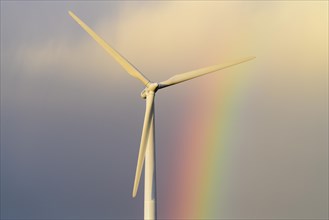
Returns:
point(196, 182)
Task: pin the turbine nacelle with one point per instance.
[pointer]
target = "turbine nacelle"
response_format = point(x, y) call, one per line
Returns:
point(150, 88)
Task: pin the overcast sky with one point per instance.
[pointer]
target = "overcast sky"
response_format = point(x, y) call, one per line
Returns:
point(71, 118)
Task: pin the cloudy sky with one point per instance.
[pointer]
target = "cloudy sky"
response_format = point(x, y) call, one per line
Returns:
point(250, 141)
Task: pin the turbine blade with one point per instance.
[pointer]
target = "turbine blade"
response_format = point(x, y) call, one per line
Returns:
point(144, 139)
point(120, 59)
point(199, 72)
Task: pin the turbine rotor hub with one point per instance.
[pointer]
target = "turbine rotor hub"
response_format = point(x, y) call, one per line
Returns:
point(150, 88)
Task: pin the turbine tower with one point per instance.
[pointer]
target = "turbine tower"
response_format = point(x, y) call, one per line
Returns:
point(147, 144)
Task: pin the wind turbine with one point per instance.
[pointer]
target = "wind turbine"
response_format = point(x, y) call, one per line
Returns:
point(146, 150)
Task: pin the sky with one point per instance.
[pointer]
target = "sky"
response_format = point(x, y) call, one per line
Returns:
point(247, 142)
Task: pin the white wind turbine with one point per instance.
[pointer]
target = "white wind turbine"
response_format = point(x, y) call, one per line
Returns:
point(146, 150)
